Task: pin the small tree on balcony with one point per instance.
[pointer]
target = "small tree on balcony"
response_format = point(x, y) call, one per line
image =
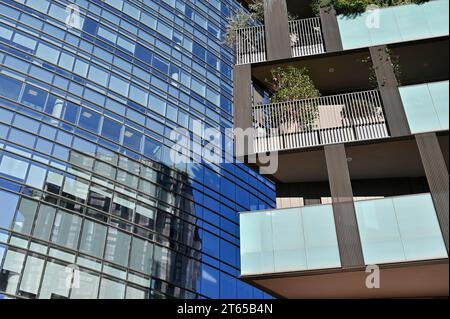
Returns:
point(240, 20)
point(243, 19)
point(292, 84)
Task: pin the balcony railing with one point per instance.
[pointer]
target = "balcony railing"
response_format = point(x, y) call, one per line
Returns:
point(251, 45)
point(306, 37)
point(426, 106)
point(319, 121)
point(402, 23)
point(392, 230)
point(285, 240)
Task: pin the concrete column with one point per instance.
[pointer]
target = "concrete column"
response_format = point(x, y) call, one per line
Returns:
point(350, 248)
point(242, 99)
point(437, 176)
point(330, 30)
point(276, 22)
point(390, 94)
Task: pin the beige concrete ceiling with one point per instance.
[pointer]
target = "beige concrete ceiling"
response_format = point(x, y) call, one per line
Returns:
point(406, 281)
point(380, 159)
point(331, 73)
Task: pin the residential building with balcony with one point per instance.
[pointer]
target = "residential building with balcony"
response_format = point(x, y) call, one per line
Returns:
point(362, 176)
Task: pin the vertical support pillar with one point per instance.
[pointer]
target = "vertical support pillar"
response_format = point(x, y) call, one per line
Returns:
point(330, 29)
point(242, 99)
point(437, 175)
point(278, 39)
point(390, 94)
point(350, 248)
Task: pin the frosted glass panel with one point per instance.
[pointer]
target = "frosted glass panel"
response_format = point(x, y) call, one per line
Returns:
point(44, 222)
point(134, 293)
point(380, 236)
point(439, 95)
point(322, 250)
point(394, 24)
point(289, 240)
point(399, 229)
point(13, 264)
point(288, 243)
point(426, 106)
point(256, 243)
point(419, 228)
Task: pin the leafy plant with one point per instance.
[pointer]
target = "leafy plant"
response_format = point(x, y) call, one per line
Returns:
point(243, 19)
point(352, 7)
point(291, 84)
point(257, 8)
point(240, 20)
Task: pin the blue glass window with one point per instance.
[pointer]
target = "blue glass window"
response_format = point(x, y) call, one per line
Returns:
point(89, 120)
point(161, 65)
point(210, 281)
point(71, 113)
point(227, 286)
point(98, 76)
point(47, 53)
point(111, 129)
point(156, 104)
point(118, 85)
point(83, 146)
point(9, 204)
point(26, 123)
point(132, 139)
point(22, 138)
point(189, 12)
point(152, 149)
point(211, 59)
point(199, 51)
point(54, 106)
point(14, 167)
point(90, 26)
point(143, 53)
point(9, 88)
point(34, 97)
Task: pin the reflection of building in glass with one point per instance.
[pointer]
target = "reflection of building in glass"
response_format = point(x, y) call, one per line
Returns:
point(87, 187)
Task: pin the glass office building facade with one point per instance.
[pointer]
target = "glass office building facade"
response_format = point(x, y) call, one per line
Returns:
point(89, 94)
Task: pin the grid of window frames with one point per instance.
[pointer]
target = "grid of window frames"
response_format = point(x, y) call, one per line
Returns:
point(85, 172)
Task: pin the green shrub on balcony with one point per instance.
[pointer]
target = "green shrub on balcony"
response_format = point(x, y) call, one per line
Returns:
point(350, 7)
point(293, 84)
point(240, 20)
